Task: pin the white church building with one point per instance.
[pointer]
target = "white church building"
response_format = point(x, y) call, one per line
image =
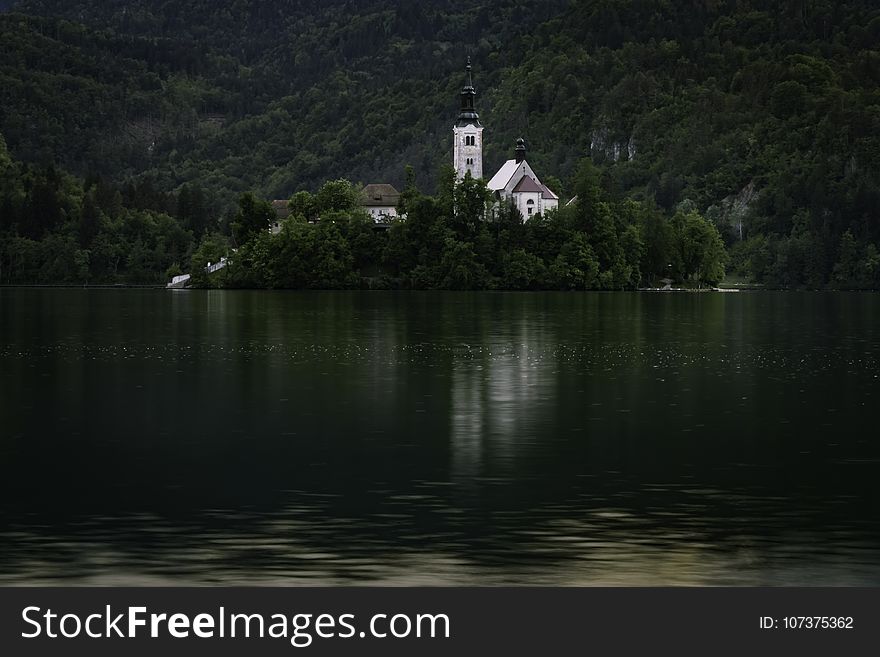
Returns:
point(515, 180)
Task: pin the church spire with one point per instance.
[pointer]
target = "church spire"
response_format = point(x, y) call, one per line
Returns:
point(468, 113)
point(467, 152)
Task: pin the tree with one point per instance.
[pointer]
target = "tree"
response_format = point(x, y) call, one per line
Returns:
point(522, 271)
point(302, 206)
point(192, 210)
point(212, 247)
point(89, 221)
point(5, 159)
point(470, 201)
point(81, 259)
point(254, 216)
point(410, 192)
point(459, 267)
point(699, 249)
point(576, 267)
point(658, 240)
point(336, 196)
point(589, 196)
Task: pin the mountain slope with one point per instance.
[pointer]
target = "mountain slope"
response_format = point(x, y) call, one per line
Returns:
point(763, 114)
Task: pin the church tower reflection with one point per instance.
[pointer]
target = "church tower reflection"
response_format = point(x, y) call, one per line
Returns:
point(499, 396)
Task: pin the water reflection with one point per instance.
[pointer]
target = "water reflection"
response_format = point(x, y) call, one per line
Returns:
point(152, 437)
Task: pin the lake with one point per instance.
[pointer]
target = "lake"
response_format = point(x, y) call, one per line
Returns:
point(202, 437)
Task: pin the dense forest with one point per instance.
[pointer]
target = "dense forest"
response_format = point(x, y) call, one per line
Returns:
point(140, 134)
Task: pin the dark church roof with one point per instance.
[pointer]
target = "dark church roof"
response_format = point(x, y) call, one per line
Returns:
point(468, 114)
point(528, 184)
point(547, 193)
point(379, 194)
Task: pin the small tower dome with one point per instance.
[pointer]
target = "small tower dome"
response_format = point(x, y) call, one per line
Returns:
point(520, 152)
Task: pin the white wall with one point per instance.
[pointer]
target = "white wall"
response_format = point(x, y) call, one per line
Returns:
point(462, 152)
point(377, 213)
point(522, 203)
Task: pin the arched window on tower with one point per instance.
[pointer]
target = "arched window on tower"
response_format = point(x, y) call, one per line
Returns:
point(530, 205)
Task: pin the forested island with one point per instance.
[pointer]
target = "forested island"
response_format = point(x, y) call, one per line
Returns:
point(144, 139)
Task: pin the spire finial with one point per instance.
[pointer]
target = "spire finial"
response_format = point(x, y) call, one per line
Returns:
point(468, 113)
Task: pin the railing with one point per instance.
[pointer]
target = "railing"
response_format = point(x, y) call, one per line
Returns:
point(217, 266)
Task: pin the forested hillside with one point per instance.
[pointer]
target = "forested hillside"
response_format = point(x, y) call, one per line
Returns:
point(763, 116)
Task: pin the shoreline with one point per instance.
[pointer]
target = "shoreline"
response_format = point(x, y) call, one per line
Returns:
point(677, 290)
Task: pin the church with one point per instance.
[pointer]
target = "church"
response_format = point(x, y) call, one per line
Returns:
point(516, 180)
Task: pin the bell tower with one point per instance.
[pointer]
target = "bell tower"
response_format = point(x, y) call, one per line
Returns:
point(467, 151)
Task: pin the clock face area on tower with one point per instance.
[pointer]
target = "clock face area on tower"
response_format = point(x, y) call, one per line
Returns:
point(468, 151)
point(467, 156)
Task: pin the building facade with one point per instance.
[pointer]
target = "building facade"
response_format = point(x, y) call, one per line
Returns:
point(467, 150)
point(380, 202)
point(515, 181)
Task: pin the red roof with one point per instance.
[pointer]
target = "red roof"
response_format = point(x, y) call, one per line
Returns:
point(547, 193)
point(527, 185)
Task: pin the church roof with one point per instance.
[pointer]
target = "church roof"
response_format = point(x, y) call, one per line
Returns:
point(528, 185)
point(468, 114)
point(505, 173)
point(379, 195)
point(547, 193)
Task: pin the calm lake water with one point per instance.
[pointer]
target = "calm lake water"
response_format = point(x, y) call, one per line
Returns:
point(439, 438)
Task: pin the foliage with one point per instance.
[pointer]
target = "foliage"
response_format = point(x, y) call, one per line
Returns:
point(697, 252)
point(764, 115)
point(55, 228)
point(254, 216)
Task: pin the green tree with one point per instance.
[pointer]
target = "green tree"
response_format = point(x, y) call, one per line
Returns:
point(336, 196)
point(302, 206)
point(253, 217)
point(459, 267)
point(211, 248)
point(576, 266)
point(470, 202)
point(522, 271)
point(699, 249)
